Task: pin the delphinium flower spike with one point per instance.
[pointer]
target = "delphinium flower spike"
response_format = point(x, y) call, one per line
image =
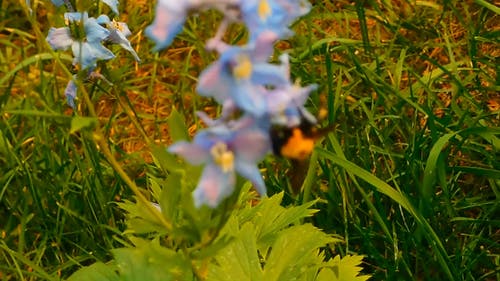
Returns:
point(244, 82)
point(84, 35)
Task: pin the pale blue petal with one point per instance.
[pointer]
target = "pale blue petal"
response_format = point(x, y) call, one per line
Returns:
point(213, 187)
point(87, 54)
point(70, 93)
point(113, 4)
point(250, 98)
point(57, 3)
point(119, 37)
point(269, 74)
point(282, 14)
point(83, 55)
point(100, 52)
point(95, 32)
point(193, 153)
point(168, 22)
point(215, 83)
point(263, 45)
point(103, 19)
point(59, 38)
point(251, 172)
point(251, 145)
point(286, 105)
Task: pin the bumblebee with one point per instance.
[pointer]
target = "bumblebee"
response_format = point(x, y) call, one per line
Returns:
point(296, 144)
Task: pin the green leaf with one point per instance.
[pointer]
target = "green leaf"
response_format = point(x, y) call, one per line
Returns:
point(96, 272)
point(432, 161)
point(430, 170)
point(400, 198)
point(239, 260)
point(79, 122)
point(295, 252)
point(345, 269)
point(5, 145)
point(214, 248)
point(152, 262)
point(490, 173)
point(177, 126)
point(488, 5)
point(267, 245)
point(171, 195)
point(165, 160)
point(140, 220)
point(270, 217)
point(31, 60)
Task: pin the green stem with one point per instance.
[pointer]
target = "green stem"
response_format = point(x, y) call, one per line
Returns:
point(100, 139)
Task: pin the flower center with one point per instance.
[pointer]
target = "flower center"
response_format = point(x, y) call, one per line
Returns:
point(116, 25)
point(264, 9)
point(243, 70)
point(222, 157)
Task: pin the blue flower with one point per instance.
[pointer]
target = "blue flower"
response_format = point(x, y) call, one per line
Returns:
point(286, 105)
point(113, 4)
point(240, 75)
point(224, 151)
point(86, 47)
point(118, 33)
point(274, 15)
point(168, 22)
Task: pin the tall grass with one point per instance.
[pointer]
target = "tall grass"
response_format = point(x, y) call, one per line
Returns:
point(410, 175)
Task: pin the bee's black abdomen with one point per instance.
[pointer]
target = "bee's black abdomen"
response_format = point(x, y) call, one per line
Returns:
point(279, 137)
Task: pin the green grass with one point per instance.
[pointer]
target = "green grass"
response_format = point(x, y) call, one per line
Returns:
point(410, 175)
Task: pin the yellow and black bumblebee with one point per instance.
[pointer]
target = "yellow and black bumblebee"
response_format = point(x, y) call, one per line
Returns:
point(296, 144)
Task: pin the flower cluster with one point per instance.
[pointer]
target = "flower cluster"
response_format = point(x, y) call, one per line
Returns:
point(242, 80)
point(85, 36)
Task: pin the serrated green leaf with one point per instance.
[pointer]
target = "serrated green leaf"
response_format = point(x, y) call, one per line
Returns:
point(152, 262)
point(170, 195)
point(270, 217)
point(96, 272)
point(213, 249)
point(295, 252)
point(239, 260)
point(79, 122)
point(343, 269)
point(139, 218)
